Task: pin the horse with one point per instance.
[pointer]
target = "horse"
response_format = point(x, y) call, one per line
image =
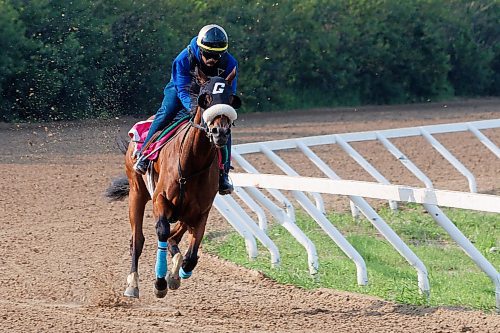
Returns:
point(185, 178)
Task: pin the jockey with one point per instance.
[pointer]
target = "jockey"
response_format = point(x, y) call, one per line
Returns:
point(208, 51)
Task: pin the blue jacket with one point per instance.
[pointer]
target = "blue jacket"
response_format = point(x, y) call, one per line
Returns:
point(181, 71)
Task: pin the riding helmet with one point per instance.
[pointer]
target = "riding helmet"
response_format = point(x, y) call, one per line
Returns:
point(212, 38)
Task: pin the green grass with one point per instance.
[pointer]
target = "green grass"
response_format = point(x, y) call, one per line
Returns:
point(454, 278)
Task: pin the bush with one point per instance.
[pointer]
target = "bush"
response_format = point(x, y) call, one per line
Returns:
point(87, 59)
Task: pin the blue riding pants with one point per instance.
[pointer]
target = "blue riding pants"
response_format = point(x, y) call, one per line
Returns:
point(171, 109)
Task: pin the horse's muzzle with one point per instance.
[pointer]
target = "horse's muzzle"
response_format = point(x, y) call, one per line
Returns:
point(220, 135)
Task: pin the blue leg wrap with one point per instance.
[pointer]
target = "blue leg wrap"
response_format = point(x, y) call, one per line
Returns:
point(161, 260)
point(184, 275)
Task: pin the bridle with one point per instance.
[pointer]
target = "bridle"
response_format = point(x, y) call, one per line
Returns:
point(209, 132)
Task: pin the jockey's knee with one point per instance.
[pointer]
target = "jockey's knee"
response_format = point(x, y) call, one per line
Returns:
point(189, 263)
point(163, 229)
point(161, 116)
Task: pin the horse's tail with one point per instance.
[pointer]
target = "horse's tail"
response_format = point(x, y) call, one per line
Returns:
point(122, 144)
point(118, 189)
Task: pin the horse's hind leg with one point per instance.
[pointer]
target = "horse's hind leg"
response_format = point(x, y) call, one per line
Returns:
point(138, 198)
point(163, 214)
point(173, 279)
point(191, 258)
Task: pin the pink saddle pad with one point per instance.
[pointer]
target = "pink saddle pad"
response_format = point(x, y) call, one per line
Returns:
point(139, 132)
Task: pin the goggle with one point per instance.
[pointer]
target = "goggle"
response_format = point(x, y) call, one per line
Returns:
point(211, 55)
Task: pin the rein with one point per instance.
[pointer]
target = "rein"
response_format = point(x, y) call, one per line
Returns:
point(202, 128)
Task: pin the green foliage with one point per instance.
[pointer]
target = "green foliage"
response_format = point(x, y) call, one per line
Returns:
point(14, 46)
point(401, 52)
point(89, 58)
point(474, 31)
point(454, 279)
point(11, 42)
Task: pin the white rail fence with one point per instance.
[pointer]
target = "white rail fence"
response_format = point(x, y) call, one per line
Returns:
point(248, 188)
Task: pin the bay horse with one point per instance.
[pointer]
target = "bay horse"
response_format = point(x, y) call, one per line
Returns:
point(185, 178)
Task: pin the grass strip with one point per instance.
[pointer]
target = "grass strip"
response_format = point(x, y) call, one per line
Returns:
point(454, 278)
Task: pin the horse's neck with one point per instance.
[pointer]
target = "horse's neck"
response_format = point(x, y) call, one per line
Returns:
point(197, 145)
point(197, 116)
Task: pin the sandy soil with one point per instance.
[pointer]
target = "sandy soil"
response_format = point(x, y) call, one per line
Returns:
point(65, 249)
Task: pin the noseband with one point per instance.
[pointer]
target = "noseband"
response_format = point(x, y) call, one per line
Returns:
point(209, 131)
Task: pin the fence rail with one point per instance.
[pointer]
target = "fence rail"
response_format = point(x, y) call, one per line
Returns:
point(248, 188)
point(446, 198)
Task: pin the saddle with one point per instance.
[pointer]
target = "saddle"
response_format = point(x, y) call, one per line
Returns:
point(139, 132)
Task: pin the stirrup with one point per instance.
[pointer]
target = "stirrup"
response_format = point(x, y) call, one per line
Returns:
point(141, 165)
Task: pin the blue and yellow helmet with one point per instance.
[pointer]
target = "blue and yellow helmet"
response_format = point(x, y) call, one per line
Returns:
point(212, 39)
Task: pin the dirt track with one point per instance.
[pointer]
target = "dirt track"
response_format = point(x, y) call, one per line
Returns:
point(65, 249)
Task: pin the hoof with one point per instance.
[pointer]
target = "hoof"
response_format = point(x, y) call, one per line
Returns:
point(161, 288)
point(160, 293)
point(173, 282)
point(173, 279)
point(132, 285)
point(131, 292)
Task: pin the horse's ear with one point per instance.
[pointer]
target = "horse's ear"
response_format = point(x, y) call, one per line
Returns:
point(200, 76)
point(204, 100)
point(231, 76)
point(234, 101)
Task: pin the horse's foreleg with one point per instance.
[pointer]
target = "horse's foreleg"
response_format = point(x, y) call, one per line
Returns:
point(162, 214)
point(137, 203)
point(191, 258)
point(175, 237)
point(173, 279)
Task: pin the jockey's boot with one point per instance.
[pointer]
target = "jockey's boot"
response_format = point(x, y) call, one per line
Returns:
point(225, 187)
point(141, 165)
